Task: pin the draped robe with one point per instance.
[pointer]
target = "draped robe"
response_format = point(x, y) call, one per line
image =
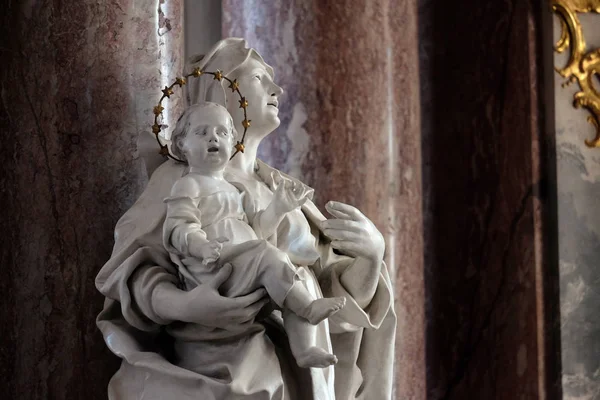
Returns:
point(258, 357)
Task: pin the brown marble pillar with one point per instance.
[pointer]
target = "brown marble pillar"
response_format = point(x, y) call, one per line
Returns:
point(350, 128)
point(77, 80)
point(491, 207)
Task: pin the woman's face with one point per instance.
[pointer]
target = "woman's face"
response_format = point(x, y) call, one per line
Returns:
point(262, 94)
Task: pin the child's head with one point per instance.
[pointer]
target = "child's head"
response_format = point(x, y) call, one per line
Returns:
point(204, 136)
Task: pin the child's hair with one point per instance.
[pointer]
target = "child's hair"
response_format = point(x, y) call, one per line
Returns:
point(183, 124)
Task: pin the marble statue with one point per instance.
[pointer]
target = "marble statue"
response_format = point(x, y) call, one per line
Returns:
point(207, 227)
point(180, 312)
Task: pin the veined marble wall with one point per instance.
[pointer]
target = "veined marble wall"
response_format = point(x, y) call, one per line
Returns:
point(350, 128)
point(78, 80)
point(578, 174)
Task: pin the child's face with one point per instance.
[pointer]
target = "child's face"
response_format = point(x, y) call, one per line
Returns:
point(209, 142)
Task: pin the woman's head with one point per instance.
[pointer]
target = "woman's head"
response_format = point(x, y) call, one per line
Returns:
point(236, 61)
point(204, 136)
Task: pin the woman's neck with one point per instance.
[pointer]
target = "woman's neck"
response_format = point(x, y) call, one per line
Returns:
point(245, 162)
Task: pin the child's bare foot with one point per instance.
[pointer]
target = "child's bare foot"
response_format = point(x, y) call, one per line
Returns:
point(323, 308)
point(316, 357)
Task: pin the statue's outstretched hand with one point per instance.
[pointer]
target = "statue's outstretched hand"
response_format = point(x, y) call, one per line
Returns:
point(288, 195)
point(205, 306)
point(352, 233)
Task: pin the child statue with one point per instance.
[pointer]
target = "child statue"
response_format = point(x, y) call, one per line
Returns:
point(207, 227)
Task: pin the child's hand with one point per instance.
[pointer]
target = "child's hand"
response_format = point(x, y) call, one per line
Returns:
point(288, 194)
point(209, 251)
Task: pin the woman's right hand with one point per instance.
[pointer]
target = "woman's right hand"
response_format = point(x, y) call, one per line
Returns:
point(205, 306)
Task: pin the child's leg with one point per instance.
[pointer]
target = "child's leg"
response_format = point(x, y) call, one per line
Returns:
point(302, 303)
point(278, 275)
point(303, 340)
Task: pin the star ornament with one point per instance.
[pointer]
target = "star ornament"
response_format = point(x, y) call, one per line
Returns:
point(180, 81)
point(197, 72)
point(243, 102)
point(164, 151)
point(234, 85)
point(158, 109)
point(167, 91)
point(218, 75)
point(156, 129)
point(246, 123)
point(239, 147)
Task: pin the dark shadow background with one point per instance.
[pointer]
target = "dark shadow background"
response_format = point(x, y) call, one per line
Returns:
point(489, 199)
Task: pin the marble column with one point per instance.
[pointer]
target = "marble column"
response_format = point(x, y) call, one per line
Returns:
point(350, 128)
point(77, 82)
point(578, 172)
point(489, 207)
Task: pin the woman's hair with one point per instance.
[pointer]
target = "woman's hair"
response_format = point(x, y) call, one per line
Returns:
point(183, 126)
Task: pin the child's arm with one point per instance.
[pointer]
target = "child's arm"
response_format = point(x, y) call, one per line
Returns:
point(182, 229)
point(287, 197)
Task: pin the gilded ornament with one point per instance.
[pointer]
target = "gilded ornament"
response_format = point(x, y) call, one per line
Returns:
point(234, 85)
point(180, 81)
point(197, 72)
point(167, 91)
point(583, 6)
point(583, 66)
point(158, 109)
point(239, 147)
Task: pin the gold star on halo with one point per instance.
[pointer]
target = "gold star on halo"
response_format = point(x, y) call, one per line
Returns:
point(239, 147)
point(246, 123)
point(243, 102)
point(167, 91)
point(218, 75)
point(197, 72)
point(180, 81)
point(156, 129)
point(164, 151)
point(158, 109)
point(234, 85)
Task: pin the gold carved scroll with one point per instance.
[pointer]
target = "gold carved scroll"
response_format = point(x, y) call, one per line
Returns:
point(583, 66)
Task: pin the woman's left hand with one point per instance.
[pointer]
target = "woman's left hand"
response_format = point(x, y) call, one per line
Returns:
point(352, 233)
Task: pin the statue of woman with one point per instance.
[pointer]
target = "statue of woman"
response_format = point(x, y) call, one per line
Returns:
point(198, 344)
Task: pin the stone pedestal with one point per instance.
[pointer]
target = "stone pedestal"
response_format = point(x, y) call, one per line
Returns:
point(78, 80)
point(350, 128)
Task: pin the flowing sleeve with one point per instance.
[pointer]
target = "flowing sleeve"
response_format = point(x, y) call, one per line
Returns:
point(183, 217)
point(260, 232)
point(362, 338)
point(253, 214)
point(139, 261)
